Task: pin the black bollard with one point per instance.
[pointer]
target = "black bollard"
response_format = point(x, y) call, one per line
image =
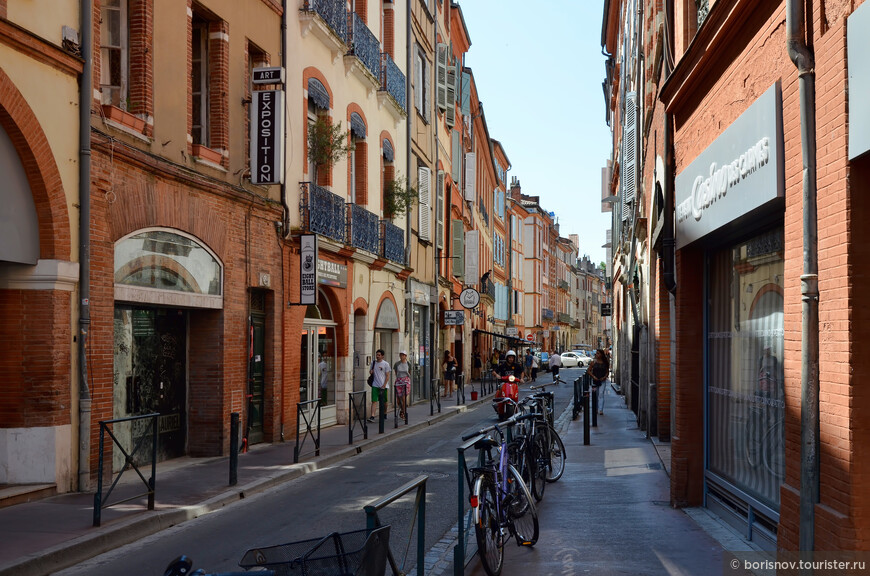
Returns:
point(234, 448)
point(586, 409)
point(382, 409)
point(595, 406)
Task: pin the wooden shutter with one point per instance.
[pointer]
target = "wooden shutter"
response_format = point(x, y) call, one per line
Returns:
point(441, 77)
point(472, 256)
point(458, 249)
point(470, 175)
point(427, 89)
point(439, 210)
point(450, 113)
point(465, 93)
point(425, 200)
point(456, 157)
point(629, 154)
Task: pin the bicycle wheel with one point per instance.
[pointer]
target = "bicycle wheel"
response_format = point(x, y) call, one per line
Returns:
point(773, 450)
point(524, 526)
point(522, 457)
point(752, 438)
point(490, 544)
point(540, 464)
point(557, 457)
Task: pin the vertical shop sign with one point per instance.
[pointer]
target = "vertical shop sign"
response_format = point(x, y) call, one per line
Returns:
point(308, 269)
point(267, 137)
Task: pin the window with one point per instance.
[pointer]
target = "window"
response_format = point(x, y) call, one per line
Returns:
point(356, 160)
point(421, 84)
point(209, 86)
point(200, 81)
point(115, 53)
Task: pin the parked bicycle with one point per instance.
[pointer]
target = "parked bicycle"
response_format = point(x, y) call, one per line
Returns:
point(502, 506)
point(554, 455)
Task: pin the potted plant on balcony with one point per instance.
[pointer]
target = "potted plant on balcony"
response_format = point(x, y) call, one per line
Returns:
point(327, 143)
point(399, 195)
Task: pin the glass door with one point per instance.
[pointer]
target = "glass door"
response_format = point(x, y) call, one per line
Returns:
point(317, 377)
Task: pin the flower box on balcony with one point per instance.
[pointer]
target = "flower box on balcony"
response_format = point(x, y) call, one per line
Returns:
point(123, 118)
point(206, 153)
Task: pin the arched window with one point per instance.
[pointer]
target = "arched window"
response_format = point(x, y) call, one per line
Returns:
point(358, 185)
point(167, 267)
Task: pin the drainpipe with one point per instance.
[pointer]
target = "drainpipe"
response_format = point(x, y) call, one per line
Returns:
point(802, 58)
point(285, 230)
point(669, 257)
point(86, 96)
point(408, 47)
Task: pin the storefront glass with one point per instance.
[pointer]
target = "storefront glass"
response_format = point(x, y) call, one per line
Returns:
point(745, 376)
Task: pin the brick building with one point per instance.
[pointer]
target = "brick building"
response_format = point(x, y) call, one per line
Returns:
point(738, 253)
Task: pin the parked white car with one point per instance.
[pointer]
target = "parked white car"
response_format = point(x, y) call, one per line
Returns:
point(572, 359)
point(586, 357)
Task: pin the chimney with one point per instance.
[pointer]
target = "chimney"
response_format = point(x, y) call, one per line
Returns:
point(516, 190)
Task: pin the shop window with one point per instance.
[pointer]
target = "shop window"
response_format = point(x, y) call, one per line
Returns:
point(745, 373)
point(153, 261)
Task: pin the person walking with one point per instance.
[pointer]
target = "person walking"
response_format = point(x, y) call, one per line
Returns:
point(381, 383)
point(323, 367)
point(555, 362)
point(402, 370)
point(599, 370)
point(527, 365)
point(476, 365)
point(449, 369)
point(535, 366)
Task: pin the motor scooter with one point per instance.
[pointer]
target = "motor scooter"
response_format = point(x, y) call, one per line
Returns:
point(509, 388)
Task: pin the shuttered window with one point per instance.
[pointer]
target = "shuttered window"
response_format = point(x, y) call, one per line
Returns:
point(456, 159)
point(629, 155)
point(441, 77)
point(470, 176)
point(458, 249)
point(424, 191)
point(439, 210)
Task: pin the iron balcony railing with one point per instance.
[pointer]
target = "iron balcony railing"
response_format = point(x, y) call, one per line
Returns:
point(564, 318)
point(362, 228)
point(323, 212)
point(563, 284)
point(333, 12)
point(392, 242)
point(393, 80)
point(364, 45)
point(547, 314)
point(703, 10)
point(487, 287)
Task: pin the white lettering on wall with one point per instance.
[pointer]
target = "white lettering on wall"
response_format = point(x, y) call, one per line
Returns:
point(705, 191)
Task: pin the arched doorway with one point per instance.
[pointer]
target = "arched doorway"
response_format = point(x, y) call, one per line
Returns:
point(317, 353)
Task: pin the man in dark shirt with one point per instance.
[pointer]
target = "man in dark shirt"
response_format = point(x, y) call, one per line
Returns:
point(511, 366)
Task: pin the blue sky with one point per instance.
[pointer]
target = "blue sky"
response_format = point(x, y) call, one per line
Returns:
point(539, 68)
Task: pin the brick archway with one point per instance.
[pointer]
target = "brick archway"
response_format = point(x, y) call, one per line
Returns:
point(31, 143)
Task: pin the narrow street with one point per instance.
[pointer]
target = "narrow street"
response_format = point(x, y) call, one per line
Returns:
point(320, 502)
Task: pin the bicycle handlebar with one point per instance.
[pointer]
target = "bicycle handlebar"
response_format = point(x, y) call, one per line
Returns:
point(496, 427)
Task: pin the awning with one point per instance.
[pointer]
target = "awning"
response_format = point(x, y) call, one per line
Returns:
point(510, 339)
point(317, 93)
point(388, 151)
point(357, 126)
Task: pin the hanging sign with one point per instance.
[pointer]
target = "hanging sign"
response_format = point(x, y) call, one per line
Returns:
point(469, 298)
point(269, 75)
point(308, 269)
point(267, 137)
point(454, 317)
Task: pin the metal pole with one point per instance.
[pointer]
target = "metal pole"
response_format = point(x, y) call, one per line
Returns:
point(594, 411)
point(586, 409)
point(98, 496)
point(234, 448)
point(152, 482)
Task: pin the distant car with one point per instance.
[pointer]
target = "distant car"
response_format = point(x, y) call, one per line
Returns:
point(543, 360)
point(571, 359)
point(586, 357)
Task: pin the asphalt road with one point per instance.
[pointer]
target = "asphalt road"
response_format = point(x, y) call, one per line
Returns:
point(319, 503)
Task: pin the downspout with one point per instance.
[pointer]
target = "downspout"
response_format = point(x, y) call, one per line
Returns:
point(408, 47)
point(669, 256)
point(285, 227)
point(86, 96)
point(802, 58)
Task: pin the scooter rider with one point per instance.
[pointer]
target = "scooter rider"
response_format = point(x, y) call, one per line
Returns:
point(511, 366)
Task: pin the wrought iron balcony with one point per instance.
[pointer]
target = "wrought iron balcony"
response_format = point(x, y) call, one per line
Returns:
point(487, 288)
point(392, 242)
point(323, 212)
point(364, 45)
point(333, 12)
point(703, 10)
point(547, 314)
point(564, 318)
point(362, 228)
point(393, 80)
point(563, 284)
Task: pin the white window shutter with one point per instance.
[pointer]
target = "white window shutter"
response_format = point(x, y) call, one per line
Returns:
point(470, 176)
point(458, 248)
point(441, 77)
point(424, 209)
point(472, 257)
point(418, 82)
point(427, 89)
point(456, 157)
point(629, 154)
point(439, 210)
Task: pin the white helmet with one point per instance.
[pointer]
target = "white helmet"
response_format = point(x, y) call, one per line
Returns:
point(510, 353)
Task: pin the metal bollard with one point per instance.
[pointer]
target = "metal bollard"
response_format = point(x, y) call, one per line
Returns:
point(586, 409)
point(595, 406)
point(234, 448)
point(382, 410)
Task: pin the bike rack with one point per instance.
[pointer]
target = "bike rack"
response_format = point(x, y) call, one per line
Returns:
point(357, 415)
point(310, 419)
point(373, 521)
point(129, 462)
point(460, 388)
